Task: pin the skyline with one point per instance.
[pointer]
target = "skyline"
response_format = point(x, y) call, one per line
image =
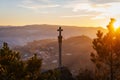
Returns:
point(84, 13)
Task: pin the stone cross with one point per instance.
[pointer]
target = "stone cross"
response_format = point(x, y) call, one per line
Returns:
point(60, 46)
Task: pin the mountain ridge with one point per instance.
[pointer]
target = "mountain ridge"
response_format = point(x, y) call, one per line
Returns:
point(22, 35)
point(8, 26)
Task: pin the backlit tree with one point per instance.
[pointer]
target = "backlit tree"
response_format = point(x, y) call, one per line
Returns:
point(107, 55)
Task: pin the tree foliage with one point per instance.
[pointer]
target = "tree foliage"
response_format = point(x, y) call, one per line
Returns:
point(13, 68)
point(85, 75)
point(62, 73)
point(107, 55)
point(33, 67)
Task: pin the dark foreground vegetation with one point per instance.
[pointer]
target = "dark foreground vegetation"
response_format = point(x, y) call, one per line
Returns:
point(13, 68)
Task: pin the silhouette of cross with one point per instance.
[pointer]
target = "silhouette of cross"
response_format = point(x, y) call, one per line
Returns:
point(60, 46)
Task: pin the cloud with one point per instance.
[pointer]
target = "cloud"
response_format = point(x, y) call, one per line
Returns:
point(111, 11)
point(76, 16)
point(33, 6)
point(103, 1)
point(37, 4)
point(104, 9)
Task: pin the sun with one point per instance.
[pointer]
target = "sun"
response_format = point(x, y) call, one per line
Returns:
point(117, 24)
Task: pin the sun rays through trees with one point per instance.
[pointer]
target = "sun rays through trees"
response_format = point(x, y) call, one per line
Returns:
point(107, 55)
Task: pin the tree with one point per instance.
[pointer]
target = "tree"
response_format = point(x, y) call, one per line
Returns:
point(107, 55)
point(10, 64)
point(13, 68)
point(85, 75)
point(33, 68)
point(62, 73)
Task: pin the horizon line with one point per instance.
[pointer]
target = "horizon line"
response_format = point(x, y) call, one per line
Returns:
point(49, 25)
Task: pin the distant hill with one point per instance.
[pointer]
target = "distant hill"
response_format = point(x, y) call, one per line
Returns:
point(75, 51)
point(20, 35)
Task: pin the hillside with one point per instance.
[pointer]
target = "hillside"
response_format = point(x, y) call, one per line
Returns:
point(20, 35)
point(75, 51)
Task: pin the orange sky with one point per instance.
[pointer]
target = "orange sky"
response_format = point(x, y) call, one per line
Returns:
point(88, 13)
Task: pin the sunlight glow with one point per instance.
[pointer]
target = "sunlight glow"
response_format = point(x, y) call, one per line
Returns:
point(117, 24)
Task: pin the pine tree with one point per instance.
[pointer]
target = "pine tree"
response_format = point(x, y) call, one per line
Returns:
point(85, 74)
point(13, 68)
point(33, 68)
point(10, 64)
point(107, 55)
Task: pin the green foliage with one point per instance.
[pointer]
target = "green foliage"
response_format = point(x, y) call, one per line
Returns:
point(50, 75)
point(85, 75)
point(62, 73)
point(13, 68)
point(10, 63)
point(33, 67)
point(107, 56)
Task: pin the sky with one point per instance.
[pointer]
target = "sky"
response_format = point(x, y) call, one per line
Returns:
point(84, 13)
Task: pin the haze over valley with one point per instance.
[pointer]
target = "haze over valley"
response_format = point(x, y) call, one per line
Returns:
point(42, 39)
point(14, 35)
